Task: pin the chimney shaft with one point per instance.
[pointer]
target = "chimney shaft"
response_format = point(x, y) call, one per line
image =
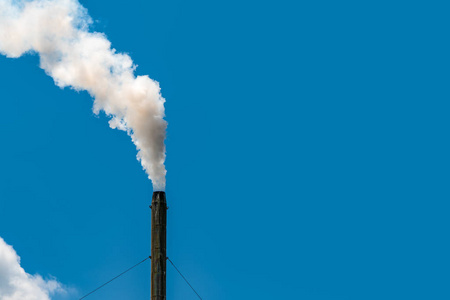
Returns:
point(158, 268)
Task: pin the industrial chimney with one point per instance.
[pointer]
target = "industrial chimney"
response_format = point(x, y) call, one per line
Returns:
point(158, 256)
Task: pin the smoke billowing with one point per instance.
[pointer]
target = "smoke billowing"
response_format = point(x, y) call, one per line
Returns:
point(58, 30)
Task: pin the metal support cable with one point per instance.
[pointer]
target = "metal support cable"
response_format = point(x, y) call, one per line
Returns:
point(184, 278)
point(114, 278)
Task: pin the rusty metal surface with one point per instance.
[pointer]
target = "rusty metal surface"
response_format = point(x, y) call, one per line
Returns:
point(158, 266)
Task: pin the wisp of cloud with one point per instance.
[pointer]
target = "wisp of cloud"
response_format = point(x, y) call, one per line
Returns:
point(58, 31)
point(16, 284)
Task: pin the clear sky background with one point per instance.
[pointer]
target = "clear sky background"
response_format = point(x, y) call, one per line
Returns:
point(307, 154)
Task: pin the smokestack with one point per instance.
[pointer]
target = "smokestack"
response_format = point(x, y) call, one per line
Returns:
point(158, 267)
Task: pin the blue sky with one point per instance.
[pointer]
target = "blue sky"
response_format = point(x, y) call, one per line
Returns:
point(307, 154)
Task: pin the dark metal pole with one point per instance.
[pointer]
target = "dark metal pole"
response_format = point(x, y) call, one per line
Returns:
point(158, 268)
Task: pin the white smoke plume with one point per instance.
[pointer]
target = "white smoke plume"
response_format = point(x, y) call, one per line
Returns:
point(16, 284)
point(58, 30)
